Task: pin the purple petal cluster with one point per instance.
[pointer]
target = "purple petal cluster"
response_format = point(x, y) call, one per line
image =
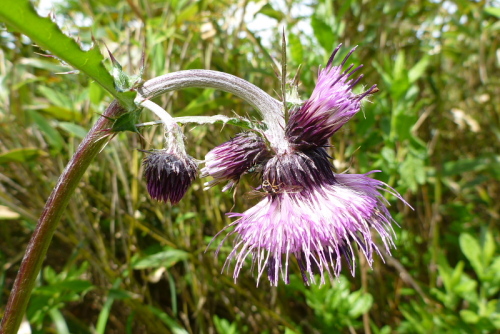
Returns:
point(330, 106)
point(311, 214)
point(308, 212)
point(317, 226)
point(169, 174)
point(230, 160)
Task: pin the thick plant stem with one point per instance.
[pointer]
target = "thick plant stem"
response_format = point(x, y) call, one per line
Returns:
point(270, 108)
point(52, 212)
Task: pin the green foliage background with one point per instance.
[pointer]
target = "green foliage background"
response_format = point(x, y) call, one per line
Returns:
point(121, 263)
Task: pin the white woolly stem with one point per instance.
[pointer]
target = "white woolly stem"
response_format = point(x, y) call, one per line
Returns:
point(164, 116)
point(270, 108)
point(173, 135)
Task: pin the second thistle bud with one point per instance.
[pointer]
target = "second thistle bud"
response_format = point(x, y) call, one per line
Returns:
point(169, 174)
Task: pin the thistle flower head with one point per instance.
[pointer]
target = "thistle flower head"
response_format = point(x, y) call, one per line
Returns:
point(330, 106)
point(309, 212)
point(318, 227)
point(230, 160)
point(169, 174)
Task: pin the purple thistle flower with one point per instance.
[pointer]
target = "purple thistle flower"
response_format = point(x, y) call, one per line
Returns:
point(309, 212)
point(230, 160)
point(312, 214)
point(169, 174)
point(330, 106)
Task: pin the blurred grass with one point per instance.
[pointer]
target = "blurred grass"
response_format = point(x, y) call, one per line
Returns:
point(433, 130)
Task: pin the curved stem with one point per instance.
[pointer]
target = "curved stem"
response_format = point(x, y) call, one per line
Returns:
point(164, 116)
point(270, 108)
point(52, 212)
point(174, 139)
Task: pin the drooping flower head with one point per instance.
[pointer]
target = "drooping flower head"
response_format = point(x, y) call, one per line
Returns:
point(169, 174)
point(308, 211)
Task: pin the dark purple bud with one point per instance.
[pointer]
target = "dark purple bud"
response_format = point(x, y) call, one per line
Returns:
point(169, 175)
point(230, 160)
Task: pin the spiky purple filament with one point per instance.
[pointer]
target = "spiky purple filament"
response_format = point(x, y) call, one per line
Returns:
point(330, 106)
point(317, 225)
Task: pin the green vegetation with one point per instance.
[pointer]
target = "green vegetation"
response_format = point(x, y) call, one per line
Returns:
point(122, 263)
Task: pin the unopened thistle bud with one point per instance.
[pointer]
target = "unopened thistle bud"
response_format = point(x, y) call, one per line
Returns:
point(169, 174)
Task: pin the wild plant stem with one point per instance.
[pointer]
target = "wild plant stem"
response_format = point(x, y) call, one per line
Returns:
point(270, 108)
point(52, 212)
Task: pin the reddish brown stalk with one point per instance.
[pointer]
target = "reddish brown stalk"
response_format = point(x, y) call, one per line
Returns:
point(52, 212)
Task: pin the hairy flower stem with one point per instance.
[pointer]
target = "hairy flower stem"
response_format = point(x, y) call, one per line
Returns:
point(52, 212)
point(270, 108)
point(93, 143)
point(174, 138)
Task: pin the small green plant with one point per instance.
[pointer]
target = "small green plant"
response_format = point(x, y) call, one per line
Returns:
point(465, 303)
point(336, 309)
point(54, 292)
point(223, 326)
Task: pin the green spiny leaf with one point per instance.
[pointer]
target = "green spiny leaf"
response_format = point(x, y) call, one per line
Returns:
point(19, 15)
